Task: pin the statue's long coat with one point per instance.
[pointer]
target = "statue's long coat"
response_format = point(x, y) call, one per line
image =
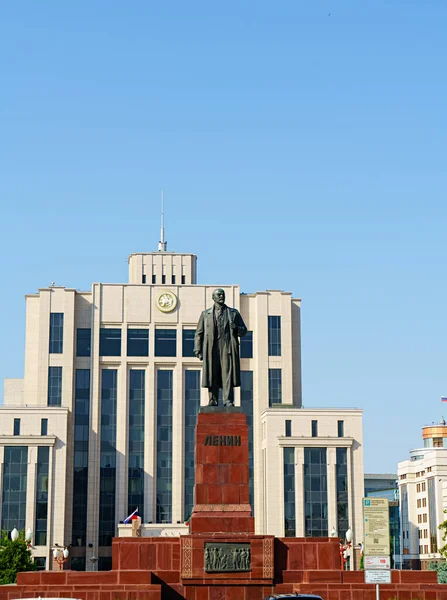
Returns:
point(204, 339)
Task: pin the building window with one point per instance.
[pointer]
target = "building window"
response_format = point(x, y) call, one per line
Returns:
point(143, 278)
point(43, 426)
point(110, 342)
point(188, 342)
point(40, 562)
point(274, 324)
point(424, 502)
point(183, 279)
point(163, 279)
point(247, 345)
point(54, 386)
point(275, 386)
point(173, 279)
point(247, 407)
point(80, 458)
point(289, 492)
point(418, 503)
point(418, 488)
point(83, 336)
point(135, 497)
point(154, 279)
point(16, 430)
point(432, 520)
point(423, 486)
point(77, 563)
point(342, 492)
point(56, 333)
point(340, 428)
point(41, 523)
point(107, 471)
point(315, 492)
point(105, 563)
point(314, 429)
point(192, 405)
point(138, 342)
point(15, 470)
point(419, 518)
point(164, 446)
point(165, 342)
point(288, 428)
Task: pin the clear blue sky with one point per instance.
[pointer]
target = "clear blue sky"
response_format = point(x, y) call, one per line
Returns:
point(297, 150)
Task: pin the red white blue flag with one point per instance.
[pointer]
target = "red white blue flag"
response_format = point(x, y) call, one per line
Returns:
point(443, 398)
point(135, 514)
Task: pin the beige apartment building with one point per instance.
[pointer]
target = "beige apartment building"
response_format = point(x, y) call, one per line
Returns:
point(422, 482)
point(103, 420)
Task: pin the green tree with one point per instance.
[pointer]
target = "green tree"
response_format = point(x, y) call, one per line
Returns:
point(443, 528)
point(14, 558)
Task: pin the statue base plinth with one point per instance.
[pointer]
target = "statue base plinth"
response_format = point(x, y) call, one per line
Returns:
point(222, 494)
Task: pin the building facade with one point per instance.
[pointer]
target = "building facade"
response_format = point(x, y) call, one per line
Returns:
point(422, 489)
point(103, 420)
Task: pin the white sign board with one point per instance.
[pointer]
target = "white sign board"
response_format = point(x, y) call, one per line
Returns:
point(377, 576)
point(376, 526)
point(377, 562)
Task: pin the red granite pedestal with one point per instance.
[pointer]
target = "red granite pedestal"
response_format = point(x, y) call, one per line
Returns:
point(222, 497)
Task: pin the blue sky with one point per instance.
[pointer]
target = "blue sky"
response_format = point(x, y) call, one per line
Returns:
point(297, 150)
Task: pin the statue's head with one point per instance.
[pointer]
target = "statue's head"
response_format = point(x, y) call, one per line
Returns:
point(219, 296)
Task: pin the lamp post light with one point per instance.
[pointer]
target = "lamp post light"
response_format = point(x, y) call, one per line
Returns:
point(60, 556)
point(344, 548)
point(29, 537)
point(14, 535)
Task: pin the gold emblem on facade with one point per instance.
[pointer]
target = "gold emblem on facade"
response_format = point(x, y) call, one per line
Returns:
point(166, 301)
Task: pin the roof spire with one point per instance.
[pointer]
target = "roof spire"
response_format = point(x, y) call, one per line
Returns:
point(162, 245)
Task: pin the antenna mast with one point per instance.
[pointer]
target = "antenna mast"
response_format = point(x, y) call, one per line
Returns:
point(162, 245)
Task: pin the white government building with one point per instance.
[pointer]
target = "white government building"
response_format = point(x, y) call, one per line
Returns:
point(103, 420)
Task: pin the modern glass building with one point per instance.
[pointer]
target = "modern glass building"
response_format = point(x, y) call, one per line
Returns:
point(103, 420)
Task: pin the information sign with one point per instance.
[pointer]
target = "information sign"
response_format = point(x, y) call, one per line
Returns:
point(376, 526)
point(377, 576)
point(377, 562)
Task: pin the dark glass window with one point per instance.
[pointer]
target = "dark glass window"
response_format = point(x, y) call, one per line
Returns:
point(163, 279)
point(342, 492)
point(247, 345)
point(83, 337)
point(164, 447)
point(107, 473)
point(274, 324)
point(143, 278)
point(192, 405)
point(183, 279)
point(43, 426)
point(110, 342)
point(138, 342)
point(15, 470)
point(135, 491)
point(41, 523)
point(340, 428)
point(173, 279)
point(154, 279)
point(54, 386)
point(432, 520)
point(289, 492)
point(165, 342)
point(188, 342)
point(56, 333)
point(247, 407)
point(288, 428)
point(314, 428)
point(315, 492)
point(80, 471)
point(77, 563)
point(105, 563)
point(275, 386)
point(40, 562)
point(16, 426)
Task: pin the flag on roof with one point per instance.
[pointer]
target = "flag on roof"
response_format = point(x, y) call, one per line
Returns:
point(443, 398)
point(132, 516)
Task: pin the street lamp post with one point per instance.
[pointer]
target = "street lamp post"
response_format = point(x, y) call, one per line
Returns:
point(344, 548)
point(60, 556)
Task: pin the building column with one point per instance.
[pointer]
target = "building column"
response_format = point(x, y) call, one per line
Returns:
point(299, 491)
point(332, 518)
point(31, 488)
